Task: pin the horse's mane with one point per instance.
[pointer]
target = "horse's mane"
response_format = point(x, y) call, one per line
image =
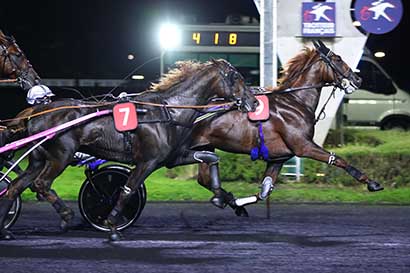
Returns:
point(3, 37)
point(182, 71)
point(295, 65)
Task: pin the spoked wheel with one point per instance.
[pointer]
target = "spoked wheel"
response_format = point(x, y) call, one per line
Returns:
point(98, 197)
point(16, 207)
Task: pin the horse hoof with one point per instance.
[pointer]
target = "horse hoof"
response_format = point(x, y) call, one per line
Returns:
point(66, 217)
point(218, 202)
point(374, 186)
point(241, 211)
point(6, 235)
point(115, 236)
point(64, 226)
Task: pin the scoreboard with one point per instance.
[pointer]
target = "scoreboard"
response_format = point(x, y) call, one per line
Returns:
point(238, 44)
point(219, 38)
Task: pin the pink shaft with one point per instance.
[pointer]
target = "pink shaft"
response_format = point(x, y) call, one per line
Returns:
point(51, 132)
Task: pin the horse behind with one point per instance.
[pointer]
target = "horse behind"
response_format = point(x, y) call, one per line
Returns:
point(290, 128)
point(14, 65)
point(163, 131)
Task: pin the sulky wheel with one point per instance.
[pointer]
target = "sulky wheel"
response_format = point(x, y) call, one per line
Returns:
point(98, 197)
point(16, 207)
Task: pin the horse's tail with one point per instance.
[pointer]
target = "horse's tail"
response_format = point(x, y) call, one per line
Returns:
point(8, 135)
point(3, 136)
point(15, 130)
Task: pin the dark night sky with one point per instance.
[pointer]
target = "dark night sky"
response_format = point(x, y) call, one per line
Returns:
point(91, 39)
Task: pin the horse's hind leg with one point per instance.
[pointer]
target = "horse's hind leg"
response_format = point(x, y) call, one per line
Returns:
point(312, 150)
point(16, 187)
point(42, 186)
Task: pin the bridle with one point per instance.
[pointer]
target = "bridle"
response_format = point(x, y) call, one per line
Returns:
point(230, 76)
point(342, 77)
point(21, 75)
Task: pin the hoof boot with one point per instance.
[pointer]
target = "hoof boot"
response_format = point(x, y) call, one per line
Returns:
point(241, 211)
point(115, 236)
point(218, 201)
point(66, 218)
point(64, 226)
point(374, 186)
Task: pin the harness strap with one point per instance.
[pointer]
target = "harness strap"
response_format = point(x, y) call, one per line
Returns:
point(322, 111)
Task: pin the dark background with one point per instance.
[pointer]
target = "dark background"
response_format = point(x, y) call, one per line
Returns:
point(91, 39)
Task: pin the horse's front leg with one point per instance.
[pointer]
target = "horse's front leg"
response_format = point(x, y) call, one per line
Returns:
point(135, 179)
point(312, 150)
point(204, 179)
point(270, 176)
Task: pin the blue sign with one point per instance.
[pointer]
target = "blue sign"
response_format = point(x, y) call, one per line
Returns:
point(378, 16)
point(319, 19)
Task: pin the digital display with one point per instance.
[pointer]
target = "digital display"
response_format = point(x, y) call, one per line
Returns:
point(220, 38)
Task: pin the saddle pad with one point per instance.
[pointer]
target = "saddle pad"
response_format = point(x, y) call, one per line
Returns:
point(125, 116)
point(262, 111)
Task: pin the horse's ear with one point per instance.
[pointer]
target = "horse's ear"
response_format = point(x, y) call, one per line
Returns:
point(315, 44)
point(321, 44)
point(323, 48)
point(214, 61)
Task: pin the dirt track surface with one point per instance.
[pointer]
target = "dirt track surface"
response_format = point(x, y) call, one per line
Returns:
point(196, 237)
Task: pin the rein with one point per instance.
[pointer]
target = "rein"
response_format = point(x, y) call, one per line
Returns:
point(222, 105)
point(8, 80)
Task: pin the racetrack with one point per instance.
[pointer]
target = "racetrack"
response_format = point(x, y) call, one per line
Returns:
point(196, 237)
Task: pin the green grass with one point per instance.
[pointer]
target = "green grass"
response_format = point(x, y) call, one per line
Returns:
point(161, 188)
point(391, 141)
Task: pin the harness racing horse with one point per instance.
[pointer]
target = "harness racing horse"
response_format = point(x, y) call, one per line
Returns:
point(14, 65)
point(171, 107)
point(290, 128)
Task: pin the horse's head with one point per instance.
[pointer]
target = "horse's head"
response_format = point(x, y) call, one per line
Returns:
point(14, 64)
point(231, 85)
point(340, 73)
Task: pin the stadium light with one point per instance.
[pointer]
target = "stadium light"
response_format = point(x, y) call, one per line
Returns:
point(137, 77)
point(379, 54)
point(169, 36)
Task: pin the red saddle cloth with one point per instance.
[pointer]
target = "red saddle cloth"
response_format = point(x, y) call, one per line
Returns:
point(125, 116)
point(262, 111)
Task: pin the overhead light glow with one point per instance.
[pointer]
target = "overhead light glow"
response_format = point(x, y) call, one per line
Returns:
point(379, 54)
point(130, 57)
point(169, 36)
point(137, 77)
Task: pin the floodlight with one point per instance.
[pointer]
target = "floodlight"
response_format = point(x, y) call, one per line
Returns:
point(169, 36)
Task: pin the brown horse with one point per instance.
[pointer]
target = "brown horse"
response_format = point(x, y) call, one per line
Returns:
point(14, 64)
point(161, 136)
point(290, 128)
